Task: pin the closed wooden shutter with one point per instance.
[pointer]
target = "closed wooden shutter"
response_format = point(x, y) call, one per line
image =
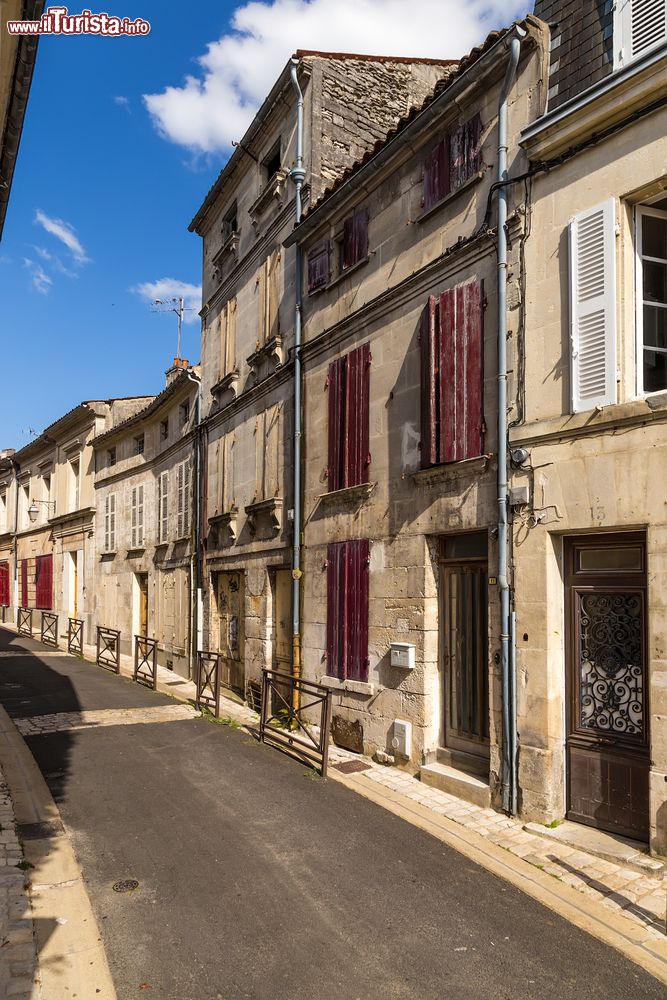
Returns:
point(4, 585)
point(24, 583)
point(465, 152)
point(180, 499)
point(639, 25)
point(112, 521)
point(186, 498)
point(349, 401)
point(336, 391)
point(436, 174)
point(44, 582)
point(163, 507)
point(430, 353)
point(134, 518)
point(273, 282)
point(461, 385)
point(318, 266)
point(593, 307)
point(137, 516)
point(347, 609)
point(355, 238)
point(107, 537)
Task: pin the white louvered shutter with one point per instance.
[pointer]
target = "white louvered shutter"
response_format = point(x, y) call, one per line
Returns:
point(107, 546)
point(639, 25)
point(593, 307)
point(112, 522)
point(180, 490)
point(186, 498)
point(163, 507)
point(134, 517)
point(140, 515)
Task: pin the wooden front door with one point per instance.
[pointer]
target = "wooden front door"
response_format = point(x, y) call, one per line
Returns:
point(607, 690)
point(464, 644)
point(142, 581)
point(282, 637)
point(231, 624)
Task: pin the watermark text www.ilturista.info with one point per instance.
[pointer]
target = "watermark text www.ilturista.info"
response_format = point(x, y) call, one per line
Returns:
point(58, 21)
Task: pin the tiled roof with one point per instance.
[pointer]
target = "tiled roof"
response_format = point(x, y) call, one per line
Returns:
point(155, 403)
point(443, 84)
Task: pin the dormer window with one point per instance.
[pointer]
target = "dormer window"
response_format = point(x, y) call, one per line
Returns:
point(272, 163)
point(639, 25)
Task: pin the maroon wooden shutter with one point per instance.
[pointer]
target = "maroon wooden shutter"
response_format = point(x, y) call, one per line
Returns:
point(461, 376)
point(4, 584)
point(24, 583)
point(356, 430)
point(336, 389)
point(44, 582)
point(360, 228)
point(336, 610)
point(348, 243)
point(436, 174)
point(356, 597)
point(465, 153)
point(428, 343)
point(318, 266)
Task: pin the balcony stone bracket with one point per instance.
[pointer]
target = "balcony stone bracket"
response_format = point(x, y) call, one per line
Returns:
point(224, 526)
point(268, 512)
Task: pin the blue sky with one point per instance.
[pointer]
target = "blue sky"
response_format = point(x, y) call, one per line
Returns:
point(122, 139)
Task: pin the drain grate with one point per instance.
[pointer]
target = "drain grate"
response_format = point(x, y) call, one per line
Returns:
point(350, 766)
point(125, 885)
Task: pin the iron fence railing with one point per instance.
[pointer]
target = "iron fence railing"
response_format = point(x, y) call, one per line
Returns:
point(25, 621)
point(288, 703)
point(145, 660)
point(75, 636)
point(208, 681)
point(108, 648)
point(49, 631)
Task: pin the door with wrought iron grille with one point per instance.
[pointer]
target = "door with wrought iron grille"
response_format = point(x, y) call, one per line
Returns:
point(607, 692)
point(464, 644)
point(231, 623)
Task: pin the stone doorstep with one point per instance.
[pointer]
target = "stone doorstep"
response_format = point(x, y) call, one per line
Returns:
point(464, 786)
point(607, 846)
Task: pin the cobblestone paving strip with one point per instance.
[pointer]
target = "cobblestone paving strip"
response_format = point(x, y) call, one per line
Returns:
point(38, 725)
point(18, 957)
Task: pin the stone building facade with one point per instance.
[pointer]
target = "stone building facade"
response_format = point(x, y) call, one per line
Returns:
point(400, 399)
point(248, 334)
point(47, 517)
point(144, 490)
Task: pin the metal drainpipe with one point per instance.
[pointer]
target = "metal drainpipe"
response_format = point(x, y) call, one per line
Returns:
point(508, 685)
point(15, 546)
point(196, 632)
point(297, 175)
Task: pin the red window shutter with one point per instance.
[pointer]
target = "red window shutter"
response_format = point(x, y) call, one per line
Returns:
point(44, 582)
point(4, 584)
point(436, 174)
point(318, 266)
point(336, 391)
point(348, 243)
point(336, 634)
point(428, 344)
point(461, 375)
point(355, 429)
point(356, 596)
point(24, 583)
point(360, 227)
point(465, 153)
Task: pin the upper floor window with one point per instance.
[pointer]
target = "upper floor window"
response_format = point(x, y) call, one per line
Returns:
point(74, 483)
point(319, 266)
point(3, 511)
point(183, 499)
point(111, 456)
point(137, 516)
point(348, 385)
point(455, 160)
point(163, 507)
point(353, 247)
point(452, 405)
point(110, 522)
point(271, 164)
point(184, 411)
point(24, 504)
point(164, 429)
point(651, 288)
point(139, 444)
point(230, 224)
point(639, 25)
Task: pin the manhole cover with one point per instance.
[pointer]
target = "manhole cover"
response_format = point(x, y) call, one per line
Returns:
point(125, 885)
point(350, 766)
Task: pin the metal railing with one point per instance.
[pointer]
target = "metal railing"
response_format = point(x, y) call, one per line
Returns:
point(75, 636)
point(25, 621)
point(284, 726)
point(49, 631)
point(108, 648)
point(208, 681)
point(145, 660)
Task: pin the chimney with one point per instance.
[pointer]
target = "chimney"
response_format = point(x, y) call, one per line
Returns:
point(179, 365)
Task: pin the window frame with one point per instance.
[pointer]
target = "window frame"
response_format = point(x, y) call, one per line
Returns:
point(137, 516)
point(622, 37)
point(640, 212)
point(110, 523)
point(139, 444)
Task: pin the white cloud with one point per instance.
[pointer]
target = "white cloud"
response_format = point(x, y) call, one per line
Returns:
point(207, 111)
point(39, 279)
point(123, 102)
point(64, 232)
point(171, 288)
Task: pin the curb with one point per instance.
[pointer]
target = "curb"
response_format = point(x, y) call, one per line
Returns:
point(70, 954)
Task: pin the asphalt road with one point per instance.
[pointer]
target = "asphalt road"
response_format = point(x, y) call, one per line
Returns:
point(257, 879)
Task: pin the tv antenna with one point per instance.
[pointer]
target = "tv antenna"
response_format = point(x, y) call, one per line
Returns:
point(174, 305)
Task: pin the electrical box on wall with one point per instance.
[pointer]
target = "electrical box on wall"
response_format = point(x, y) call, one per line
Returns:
point(402, 740)
point(403, 655)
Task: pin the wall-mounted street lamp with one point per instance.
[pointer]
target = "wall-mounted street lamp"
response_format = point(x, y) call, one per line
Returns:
point(33, 509)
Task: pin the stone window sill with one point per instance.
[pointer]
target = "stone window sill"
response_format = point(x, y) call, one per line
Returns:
point(136, 550)
point(227, 383)
point(344, 274)
point(452, 470)
point(350, 494)
point(475, 179)
point(354, 687)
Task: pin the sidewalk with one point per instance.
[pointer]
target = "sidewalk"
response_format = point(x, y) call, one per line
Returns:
point(634, 902)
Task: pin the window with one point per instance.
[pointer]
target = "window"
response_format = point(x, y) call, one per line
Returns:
point(163, 507)
point(227, 327)
point(44, 582)
point(164, 429)
point(184, 410)
point(230, 224)
point(183, 499)
point(74, 476)
point(271, 164)
point(139, 444)
point(268, 289)
point(24, 503)
point(137, 517)
point(347, 610)
point(593, 307)
point(455, 160)
point(651, 288)
point(319, 267)
point(111, 457)
point(353, 247)
point(267, 453)
point(451, 346)
point(3, 511)
point(348, 385)
point(110, 523)
point(639, 25)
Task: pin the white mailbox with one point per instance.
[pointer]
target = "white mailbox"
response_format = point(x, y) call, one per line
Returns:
point(403, 655)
